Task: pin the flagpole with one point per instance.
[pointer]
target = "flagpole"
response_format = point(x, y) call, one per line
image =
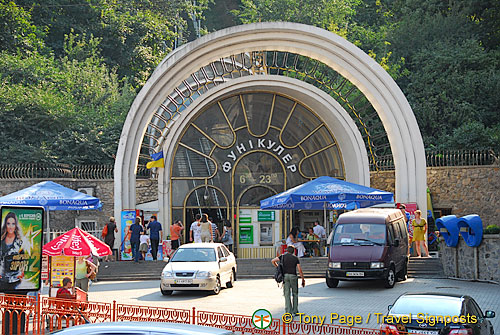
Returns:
point(48, 226)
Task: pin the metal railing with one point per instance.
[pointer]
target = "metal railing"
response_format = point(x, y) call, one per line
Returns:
point(42, 315)
point(40, 171)
point(442, 158)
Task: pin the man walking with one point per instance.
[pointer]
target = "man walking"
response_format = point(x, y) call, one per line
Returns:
point(321, 233)
point(135, 238)
point(109, 237)
point(291, 264)
point(195, 230)
point(215, 230)
point(155, 235)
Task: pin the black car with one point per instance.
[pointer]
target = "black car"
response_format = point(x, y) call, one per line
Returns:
point(436, 314)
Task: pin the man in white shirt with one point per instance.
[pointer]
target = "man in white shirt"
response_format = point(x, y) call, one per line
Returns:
point(195, 230)
point(321, 233)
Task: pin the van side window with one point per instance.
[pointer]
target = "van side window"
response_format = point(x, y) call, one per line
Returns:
point(397, 229)
point(390, 232)
point(404, 230)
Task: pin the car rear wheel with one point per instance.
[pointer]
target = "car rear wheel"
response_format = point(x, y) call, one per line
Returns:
point(166, 292)
point(229, 284)
point(217, 287)
point(332, 283)
point(390, 278)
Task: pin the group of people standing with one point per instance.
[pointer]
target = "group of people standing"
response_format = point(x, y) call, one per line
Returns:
point(140, 241)
point(204, 230)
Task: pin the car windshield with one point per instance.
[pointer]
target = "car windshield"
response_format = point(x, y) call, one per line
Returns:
point(431, 305)
point(359, 233)
point(194, 255)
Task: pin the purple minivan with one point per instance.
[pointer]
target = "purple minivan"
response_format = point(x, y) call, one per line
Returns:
point(369, 244)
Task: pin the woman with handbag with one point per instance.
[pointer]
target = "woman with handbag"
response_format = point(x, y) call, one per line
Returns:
point(85, 270)
point(227, 236)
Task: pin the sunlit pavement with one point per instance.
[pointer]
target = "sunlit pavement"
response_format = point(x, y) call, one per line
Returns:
point(349, 299)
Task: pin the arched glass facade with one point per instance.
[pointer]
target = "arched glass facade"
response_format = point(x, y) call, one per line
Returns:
point(245, 148)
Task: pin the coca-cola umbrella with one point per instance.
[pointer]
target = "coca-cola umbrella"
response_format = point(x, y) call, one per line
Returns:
point(76, 242)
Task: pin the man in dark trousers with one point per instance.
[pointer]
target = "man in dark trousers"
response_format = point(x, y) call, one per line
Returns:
point(291, 264)
point(155, 235)
point(135, 234)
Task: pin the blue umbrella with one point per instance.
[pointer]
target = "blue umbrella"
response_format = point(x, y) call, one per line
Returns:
point(52, 197)
point(327, 193)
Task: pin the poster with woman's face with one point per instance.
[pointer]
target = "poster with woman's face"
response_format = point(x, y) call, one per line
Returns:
point(21, 233)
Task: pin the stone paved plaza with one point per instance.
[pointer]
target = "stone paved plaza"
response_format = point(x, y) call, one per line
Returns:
point(350, 298)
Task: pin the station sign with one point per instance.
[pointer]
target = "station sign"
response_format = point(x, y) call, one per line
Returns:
point(265, 216)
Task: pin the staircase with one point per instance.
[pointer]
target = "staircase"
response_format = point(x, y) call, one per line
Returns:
point(425, 268)
point(247, 268)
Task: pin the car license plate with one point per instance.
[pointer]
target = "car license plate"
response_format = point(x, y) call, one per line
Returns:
point(422, 331)
point(183, 281)
point(355, 274)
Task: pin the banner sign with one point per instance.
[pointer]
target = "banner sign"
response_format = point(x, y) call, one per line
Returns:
point(61, 267)
point(21, 248)
point(263, 216)
point(127, 219)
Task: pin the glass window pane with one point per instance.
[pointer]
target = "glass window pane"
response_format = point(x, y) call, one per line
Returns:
point(180, 189)
point(206, 197)
point(196, 140)
point(258, 109)
point(325, 163)
point(253, 196)
point(188, 163)
point(213, 123)
point(301, 123)
point(234, 112)
point(317, 141)
point(282, 107)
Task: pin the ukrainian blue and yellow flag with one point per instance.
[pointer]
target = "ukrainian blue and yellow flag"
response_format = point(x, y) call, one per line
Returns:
point(157, 160)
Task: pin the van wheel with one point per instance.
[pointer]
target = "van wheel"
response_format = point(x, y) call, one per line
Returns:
point(390, 278)
point(403, 273)
point(332, 283)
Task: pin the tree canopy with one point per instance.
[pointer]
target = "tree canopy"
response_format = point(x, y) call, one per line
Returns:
point(70, 69)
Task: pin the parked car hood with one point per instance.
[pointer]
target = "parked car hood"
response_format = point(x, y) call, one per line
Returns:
point(357, 253)
point(192, 266)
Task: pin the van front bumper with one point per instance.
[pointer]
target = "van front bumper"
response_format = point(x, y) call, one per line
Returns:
point(356, 274)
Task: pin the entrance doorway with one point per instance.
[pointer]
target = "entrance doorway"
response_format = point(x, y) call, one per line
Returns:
point(218, 215)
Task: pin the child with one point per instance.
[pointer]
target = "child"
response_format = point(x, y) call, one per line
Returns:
point(144, 244)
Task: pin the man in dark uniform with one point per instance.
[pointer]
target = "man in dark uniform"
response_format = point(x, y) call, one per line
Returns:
point(291, 264)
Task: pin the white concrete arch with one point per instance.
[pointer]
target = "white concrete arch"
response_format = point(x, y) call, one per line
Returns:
point(349, 139)
point(339, 54)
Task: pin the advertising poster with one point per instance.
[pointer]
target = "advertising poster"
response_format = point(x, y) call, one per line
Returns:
point(246, 234)
point(127, 219)
point(21, 248)
point(60, 267)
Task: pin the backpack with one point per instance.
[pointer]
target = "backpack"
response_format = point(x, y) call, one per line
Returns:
point(105, 231)
point(225, 238)
point(278, 274)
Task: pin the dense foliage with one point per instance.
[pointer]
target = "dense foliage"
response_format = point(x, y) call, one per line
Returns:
point(70, 69)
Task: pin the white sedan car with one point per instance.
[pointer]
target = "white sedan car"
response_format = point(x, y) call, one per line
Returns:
point(199, 266)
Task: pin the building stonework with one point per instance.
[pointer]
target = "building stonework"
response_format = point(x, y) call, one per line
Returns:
point(469, 263)
point(464, 190)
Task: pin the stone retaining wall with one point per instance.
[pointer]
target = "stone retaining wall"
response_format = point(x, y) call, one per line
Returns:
point(472, 263)
point(466, 190)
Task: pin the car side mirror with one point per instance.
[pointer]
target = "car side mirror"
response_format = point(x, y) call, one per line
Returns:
point(389, 307)
point(396, 242)
point(223, 259)
point(489, 314)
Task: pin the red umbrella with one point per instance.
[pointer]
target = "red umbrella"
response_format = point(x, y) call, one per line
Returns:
point(76, 242)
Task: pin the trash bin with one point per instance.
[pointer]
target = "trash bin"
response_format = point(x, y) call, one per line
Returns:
point(448, 228)
point(471, 229)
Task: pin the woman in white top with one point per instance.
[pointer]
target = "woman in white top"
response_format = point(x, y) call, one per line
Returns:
point(206, 229)
point(292, 240)
point(227, 236)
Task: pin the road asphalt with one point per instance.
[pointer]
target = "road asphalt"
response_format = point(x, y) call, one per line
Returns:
point(350, 299)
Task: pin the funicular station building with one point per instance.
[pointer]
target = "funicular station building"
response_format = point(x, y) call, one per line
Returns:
point(253, 110)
